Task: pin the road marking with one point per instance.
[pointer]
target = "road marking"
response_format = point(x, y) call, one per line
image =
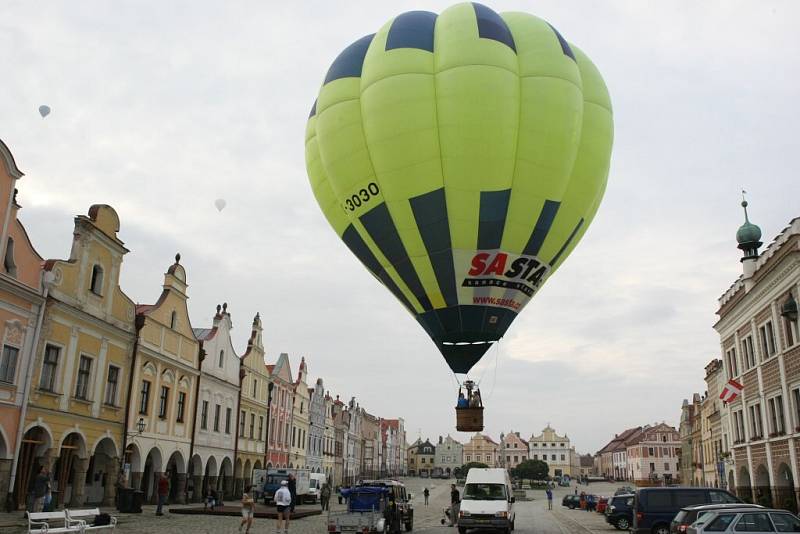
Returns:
point(569, 522)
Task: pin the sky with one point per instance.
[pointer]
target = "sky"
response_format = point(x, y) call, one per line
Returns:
point(159, 108)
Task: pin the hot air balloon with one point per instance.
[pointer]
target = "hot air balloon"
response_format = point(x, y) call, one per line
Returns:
point(220, 204)
point(44, 111)
point(461, 157)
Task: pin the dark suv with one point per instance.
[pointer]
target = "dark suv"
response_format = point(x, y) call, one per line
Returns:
point(690, 514)
point(620, 511)
point(571, 501)
point(654, 508)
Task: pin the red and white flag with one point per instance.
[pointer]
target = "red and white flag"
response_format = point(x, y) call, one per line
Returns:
point(730, 391)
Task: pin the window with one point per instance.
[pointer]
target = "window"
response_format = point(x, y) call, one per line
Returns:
point(293, 436)
point(650, 451)
point(733, 365)
point(767, 337)
point(755, 421)
point(111, 385)
point(469, 458)
point(217, 409)
point(685, 498)
point(563, 457)
point(162, 402)
point(181, 406)
point(666, 466)
point(48, 379)
point(748, 354)
point(722, 497)
point(790, 328)
point(228, 413)
point(8, 363)
point(652, 467)
point(173, 320)
point(720, 523)
point(8, 261)
point(84, 372)
point(221, 358)
point(785, 522)
point(301, 407)
point(242, 415)
point(97, 280)
point(553, 457)
point(422, 461)
point(756, 522)
point(255, 388)
point(738, 426)
point(775, 406)
point(535, 456)
point(144, 397)
point(260, 427)
point(204, 415)
point(252, 424)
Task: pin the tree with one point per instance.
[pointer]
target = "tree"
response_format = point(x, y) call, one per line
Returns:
point(464, 469)
point(531, 469)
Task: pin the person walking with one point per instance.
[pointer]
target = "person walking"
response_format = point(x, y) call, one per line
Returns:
point(455, 505)
point(325, 496)
point(248, 509)
point(163, 491)
point(549, 493)
point(292, 485)
point(426, 494)
point(41, 486)
point(283, 502)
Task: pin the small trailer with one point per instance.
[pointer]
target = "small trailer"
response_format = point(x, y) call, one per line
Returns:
point(364, 514)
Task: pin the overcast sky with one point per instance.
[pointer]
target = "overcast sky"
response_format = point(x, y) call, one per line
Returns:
point(158, 108)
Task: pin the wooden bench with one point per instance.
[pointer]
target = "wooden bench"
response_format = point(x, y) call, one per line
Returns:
point(84, 518)
point(50, 523)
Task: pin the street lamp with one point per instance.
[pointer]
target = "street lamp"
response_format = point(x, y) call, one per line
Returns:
point(140, 426)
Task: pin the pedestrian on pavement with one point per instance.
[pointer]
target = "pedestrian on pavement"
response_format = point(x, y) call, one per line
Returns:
point(248, 509)
point(325, 496)
point(163, 491)
point(39, 490)
point(455, 505)
point(549, 498)
point(426, 494)
point(292, 485)
point(283, 501)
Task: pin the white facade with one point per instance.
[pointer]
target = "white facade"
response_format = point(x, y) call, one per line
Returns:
point(316, 429)
point(553, 449)
point(449, 455)
point(218, 400)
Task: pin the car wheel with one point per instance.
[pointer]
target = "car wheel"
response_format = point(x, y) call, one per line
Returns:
point(660, 529)
point(571, 506)
point(623, 523)
point(512, 525)
point(462, 530)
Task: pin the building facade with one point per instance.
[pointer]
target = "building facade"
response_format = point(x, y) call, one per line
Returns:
point(21, 311)
point(449, 456)
point(329, 439)
point(514, 450)
point(395, 448)
point(370, 445)
point(217, 407)
point(166, 368)
point(553, 449)
point(711, 427)
point(300, 418)
point(280, 413)
point(254, 399)
point(758, 329)
point(653, 454)
point(76, 413)
point(421, 458)
point(483, 449)
point(316, 429)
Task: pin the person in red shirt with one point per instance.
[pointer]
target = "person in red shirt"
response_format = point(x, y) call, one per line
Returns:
point(163, 492)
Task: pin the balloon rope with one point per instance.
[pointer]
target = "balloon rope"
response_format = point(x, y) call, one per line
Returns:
point(454, 377)
point(496, 359)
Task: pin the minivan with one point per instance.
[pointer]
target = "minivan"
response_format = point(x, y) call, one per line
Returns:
point(654, 508)
point(487, 501)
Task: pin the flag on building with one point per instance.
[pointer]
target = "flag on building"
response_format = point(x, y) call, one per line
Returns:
point(730, 391)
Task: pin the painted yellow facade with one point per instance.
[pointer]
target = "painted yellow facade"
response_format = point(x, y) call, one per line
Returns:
point(253, 403)
point(300, 419)
point(166, 370)
point(76, 412)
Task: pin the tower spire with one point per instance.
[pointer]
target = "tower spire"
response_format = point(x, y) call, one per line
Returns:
point(748, 237)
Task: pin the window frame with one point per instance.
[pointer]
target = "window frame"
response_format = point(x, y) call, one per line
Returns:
point(97, 280)
point(181, 407)
point(217, 415)
point(228, 415)
point(748, 351)
point(109, 391)
point(83, 378)
point(163, 402)
point(3, 360)
point(204, 415)
point(50, 365)
point(144, 397)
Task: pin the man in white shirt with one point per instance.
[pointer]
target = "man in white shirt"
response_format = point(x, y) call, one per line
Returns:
point(283, 500)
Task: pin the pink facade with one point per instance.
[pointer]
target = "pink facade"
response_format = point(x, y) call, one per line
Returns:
point(280, 413)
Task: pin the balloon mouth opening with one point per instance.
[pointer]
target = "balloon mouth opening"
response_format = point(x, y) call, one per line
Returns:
point(467, 342)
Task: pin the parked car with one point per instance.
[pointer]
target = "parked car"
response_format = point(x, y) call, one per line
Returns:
point(620, 511)
point(690, 514)
point(571, 501)
point(602, 504)
point(625, 490)
point(748, 519)
point(654, 508)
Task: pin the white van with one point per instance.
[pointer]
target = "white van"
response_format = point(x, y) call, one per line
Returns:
point(487, 501)
point(315, 485)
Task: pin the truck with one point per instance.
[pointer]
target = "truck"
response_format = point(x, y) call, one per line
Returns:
point(267, 482)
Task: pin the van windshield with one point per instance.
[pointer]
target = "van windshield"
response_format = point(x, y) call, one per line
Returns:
point(312, 483)
point(485, 492)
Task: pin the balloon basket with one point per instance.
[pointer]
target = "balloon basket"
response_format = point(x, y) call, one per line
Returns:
point(469, 419)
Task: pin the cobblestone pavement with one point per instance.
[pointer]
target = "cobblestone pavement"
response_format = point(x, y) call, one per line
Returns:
point(532, 516)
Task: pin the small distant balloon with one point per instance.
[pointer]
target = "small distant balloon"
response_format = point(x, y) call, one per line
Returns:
point(220, 204)
point(44, 111)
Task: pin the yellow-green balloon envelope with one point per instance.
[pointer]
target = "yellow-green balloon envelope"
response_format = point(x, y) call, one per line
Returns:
point(461, 157)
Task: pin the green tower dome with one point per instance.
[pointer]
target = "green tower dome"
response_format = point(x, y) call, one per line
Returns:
point(748, 232)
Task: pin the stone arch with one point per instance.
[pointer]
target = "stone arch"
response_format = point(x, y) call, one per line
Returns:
point(784, 488)
point(133, 457)
point(69, 471)
point(74, 437)
point(269, 465)
point(35, 451)
point(177, 463)
point(238, 468)
point(291, 466)
point(105, 444)
point(176, 471)
point(153, 464)
point(102, 472)
point(225, 481)
point(763, 493)
point(257, 465)
point(211, 467)
point(744, 488)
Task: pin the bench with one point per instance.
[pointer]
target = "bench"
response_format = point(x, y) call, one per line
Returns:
point(83, 519)
point(40, 522)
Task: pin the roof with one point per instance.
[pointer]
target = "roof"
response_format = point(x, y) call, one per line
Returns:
point(204, 334)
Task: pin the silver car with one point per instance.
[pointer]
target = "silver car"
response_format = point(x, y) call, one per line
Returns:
point(746, 520)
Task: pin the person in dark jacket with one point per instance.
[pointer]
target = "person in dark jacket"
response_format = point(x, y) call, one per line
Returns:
point(392, 515)
point(293, 491)
point(455, 505)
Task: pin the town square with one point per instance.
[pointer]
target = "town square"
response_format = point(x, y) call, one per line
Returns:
point(411, 266)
